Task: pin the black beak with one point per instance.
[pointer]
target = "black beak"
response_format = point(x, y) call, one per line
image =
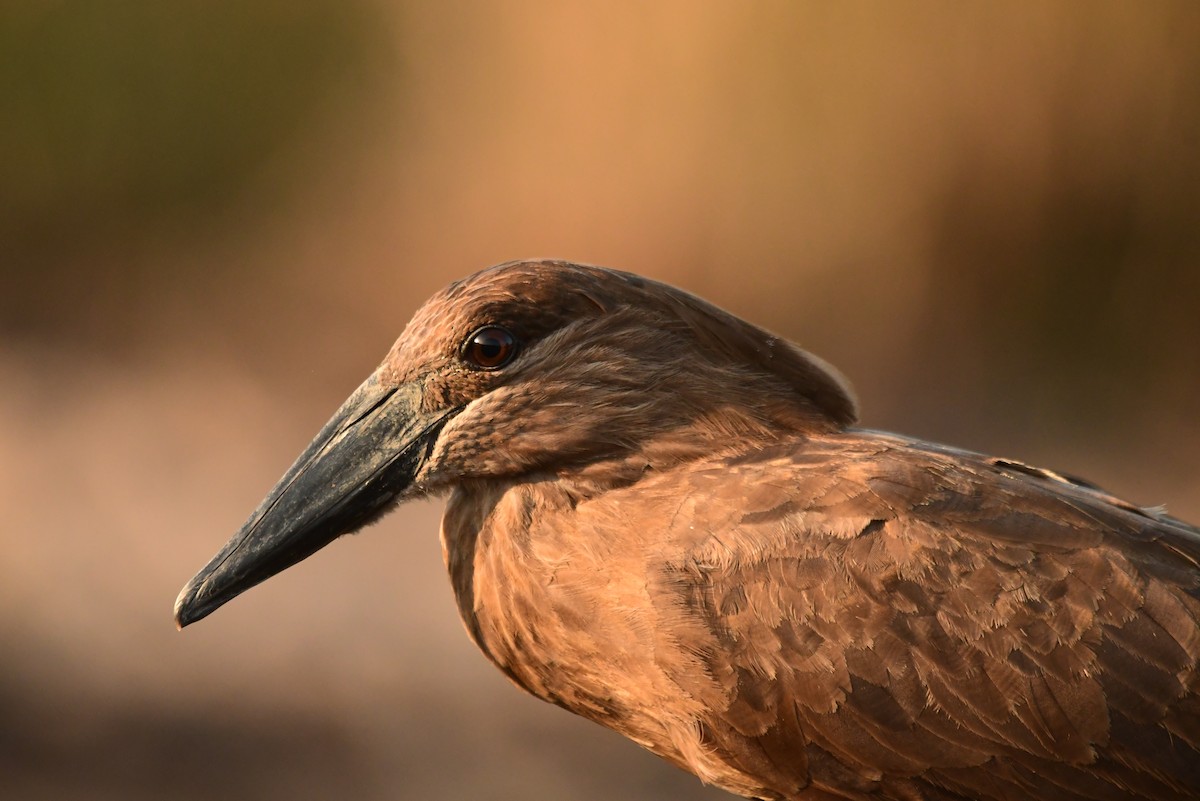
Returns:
point(360, 463)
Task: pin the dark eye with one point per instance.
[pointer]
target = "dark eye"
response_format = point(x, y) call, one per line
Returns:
point(490, 348)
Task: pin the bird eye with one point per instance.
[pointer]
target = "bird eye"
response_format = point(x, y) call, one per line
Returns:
point(490, 348)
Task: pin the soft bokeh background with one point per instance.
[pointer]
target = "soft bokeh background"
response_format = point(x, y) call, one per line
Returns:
point(216, 216)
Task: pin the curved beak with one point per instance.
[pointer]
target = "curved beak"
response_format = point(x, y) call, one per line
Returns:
point(357, 467)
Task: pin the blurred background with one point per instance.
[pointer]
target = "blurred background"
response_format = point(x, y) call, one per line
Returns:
point(215, 217)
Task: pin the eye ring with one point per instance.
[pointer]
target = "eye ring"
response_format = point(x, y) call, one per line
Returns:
point(490, 348)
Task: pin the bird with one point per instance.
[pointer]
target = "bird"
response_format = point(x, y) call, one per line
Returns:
point(666, 519)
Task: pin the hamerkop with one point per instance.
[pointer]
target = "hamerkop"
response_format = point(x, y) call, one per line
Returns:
point(662, 518)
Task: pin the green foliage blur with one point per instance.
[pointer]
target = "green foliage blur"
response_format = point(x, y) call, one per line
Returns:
point(128, 118)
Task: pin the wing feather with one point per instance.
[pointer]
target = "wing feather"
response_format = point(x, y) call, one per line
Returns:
point(918, 622)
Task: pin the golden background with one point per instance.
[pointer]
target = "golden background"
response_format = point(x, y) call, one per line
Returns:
point(215, 217)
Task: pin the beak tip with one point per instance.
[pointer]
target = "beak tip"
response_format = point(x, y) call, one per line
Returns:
point(187, 610)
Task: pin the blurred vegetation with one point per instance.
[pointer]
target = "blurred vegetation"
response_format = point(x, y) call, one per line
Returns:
point(1085, 248)
point(127, 119)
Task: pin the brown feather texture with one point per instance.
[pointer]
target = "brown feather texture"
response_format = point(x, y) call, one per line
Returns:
point(662, 518)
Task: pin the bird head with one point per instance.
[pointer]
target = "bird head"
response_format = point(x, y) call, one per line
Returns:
point(527, 369)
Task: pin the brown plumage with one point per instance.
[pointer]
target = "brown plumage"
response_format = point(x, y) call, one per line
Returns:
point(661, 518)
